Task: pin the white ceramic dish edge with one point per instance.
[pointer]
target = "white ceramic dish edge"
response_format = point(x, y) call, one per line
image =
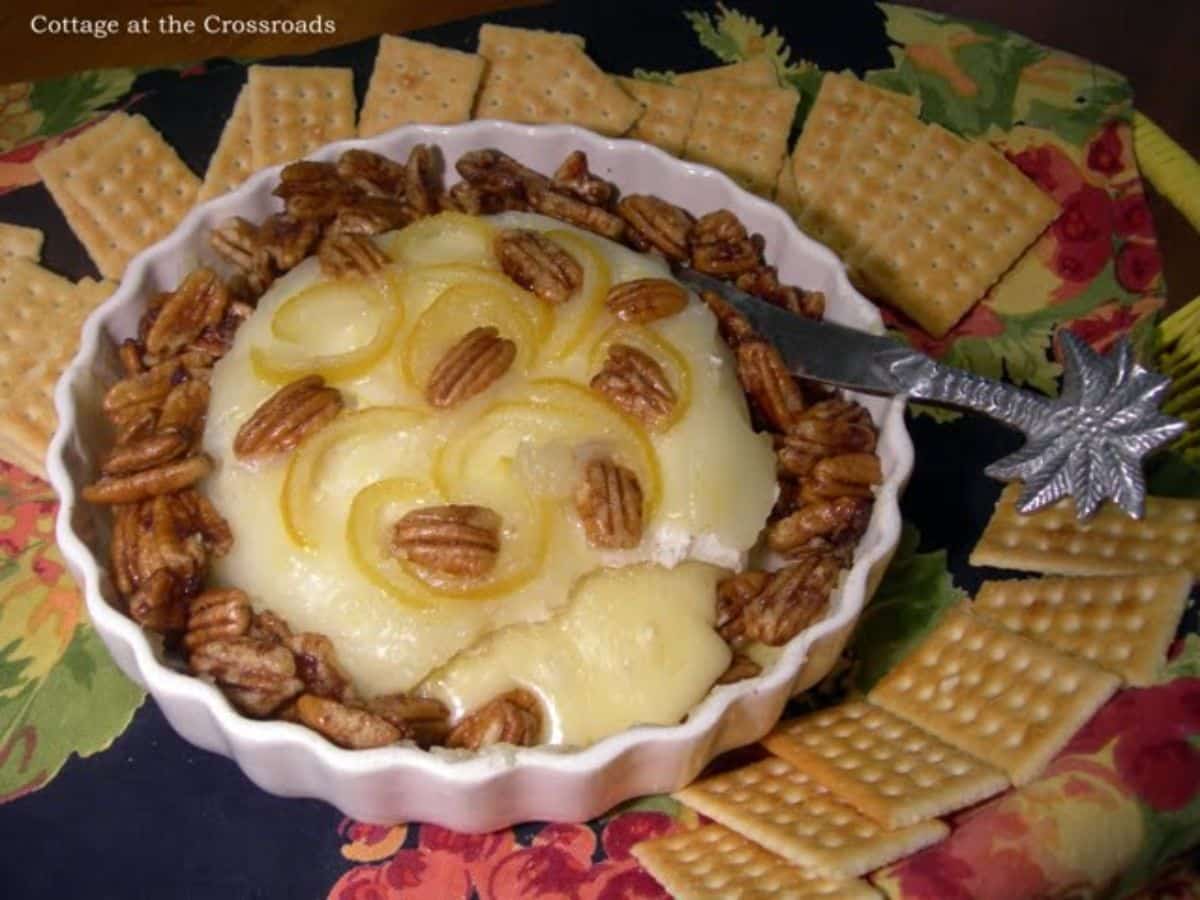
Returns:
point(498, 788)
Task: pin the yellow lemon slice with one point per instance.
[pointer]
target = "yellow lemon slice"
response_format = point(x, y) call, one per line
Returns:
point(448, 237)
point(574, 319)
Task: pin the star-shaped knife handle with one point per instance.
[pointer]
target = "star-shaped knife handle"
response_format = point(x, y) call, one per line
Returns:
point(1088, 443)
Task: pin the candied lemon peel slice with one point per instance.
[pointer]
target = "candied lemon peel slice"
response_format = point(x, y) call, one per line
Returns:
point(448, 237)
point(286, 358)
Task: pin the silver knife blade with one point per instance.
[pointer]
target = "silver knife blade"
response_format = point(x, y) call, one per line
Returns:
point(823, 351)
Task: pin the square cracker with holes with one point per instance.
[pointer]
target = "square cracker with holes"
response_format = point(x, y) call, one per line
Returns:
point(964, 234)
point(540, 76)
point(860, 186)
point(1054, 541)
point(296, 109)
point(713, 861)
point(883, 765)
point(42, 315)
point(233, 160)
point(841, 105)
point(999, 696)
point(786, 811)
point(417, 82)
point(668, 115)
point(19, 242)
point(59, 167)
point(743, 130)
point(1124, 623)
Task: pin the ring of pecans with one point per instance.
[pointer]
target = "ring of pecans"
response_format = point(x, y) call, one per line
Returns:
point(166, 532)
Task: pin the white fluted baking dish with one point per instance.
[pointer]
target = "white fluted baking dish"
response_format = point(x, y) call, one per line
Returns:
point(500, 786)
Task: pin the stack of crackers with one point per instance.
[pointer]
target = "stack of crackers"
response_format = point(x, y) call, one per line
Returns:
point(924, 219)
point(42, 314)
point(984, 702)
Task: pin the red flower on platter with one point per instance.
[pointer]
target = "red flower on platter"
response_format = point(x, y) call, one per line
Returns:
point(425, 875)
point(1051, 169)
point(1151, 730)
point(624, 831)
point(360, 883)
point(934, 874)
point(1087, 216)
point(1138, 266)
point(1131, 216)
point(1105, 325)
point(1106, 152)
point(367, 843)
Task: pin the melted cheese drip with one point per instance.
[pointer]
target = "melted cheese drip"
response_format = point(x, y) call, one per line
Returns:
point(635, 646)
point(717, 480)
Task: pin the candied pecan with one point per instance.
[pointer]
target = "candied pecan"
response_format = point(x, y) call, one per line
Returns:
point(720, 245)
point(318, 667)
point(132, 396)
point(792, 600)
point(498, 174)
point(419, 719)
point(164, 479)
point(161, 447)
point(740, 668)
point(266, 626)
point(218, 339)
point(135, 426)
point(455, 540)
point(827, 428)
point(217, 614)
point(195, 514)
point(346, 726)
point(158, 604)
point(466, 198)
point(258, 676)
point(375, 175)
point(185, 408)
point(848, 475)
point(237, 241)
point(634, 382)
point(285, 418)
point(538, 264)
point(198, 303)
point(471, 366)
point(644, 300)
point(609, 501)
point(512, 718)
point(287, 241)
point(568, 208)
point(769, 384)
point(423, 180)
point(314, 190)
point(371, 215)
point(354, 255)
point(178, 541)
point(834, 523)
point(734, 327)
point(655, 224)
point(734, 594)
point(573, 176)
point(764, 282)
point(130, 354)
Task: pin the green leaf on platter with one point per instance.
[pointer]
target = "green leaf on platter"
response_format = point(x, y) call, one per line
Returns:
point(1171, 474)
point(12, 668)
point(69, 101)
point(974, 87)
point(722, 45)
point(1186, 663)
point(1019, 353)
point(914, 592)
point(939, 414)
point(1165, 835)
point(1088, 110)
point(79, 707)
point(659, 803)
point(805, 78)
point(665, 77)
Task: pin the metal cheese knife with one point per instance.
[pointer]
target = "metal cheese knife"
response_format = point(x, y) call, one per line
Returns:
point(1088, 443)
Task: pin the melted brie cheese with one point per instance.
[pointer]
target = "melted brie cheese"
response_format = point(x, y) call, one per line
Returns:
point(714, 476)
